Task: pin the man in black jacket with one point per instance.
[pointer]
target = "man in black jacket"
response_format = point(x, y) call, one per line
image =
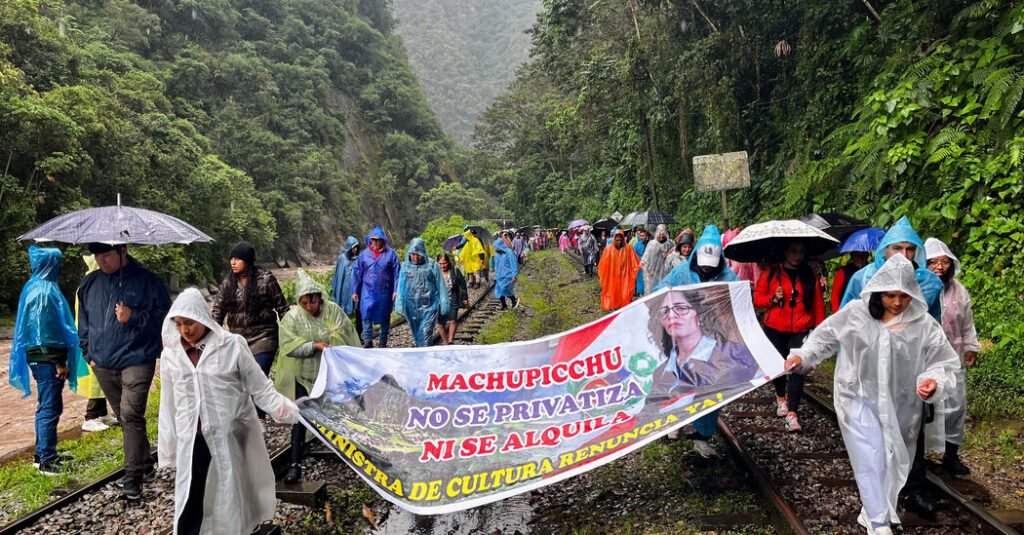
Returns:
point(120, 312)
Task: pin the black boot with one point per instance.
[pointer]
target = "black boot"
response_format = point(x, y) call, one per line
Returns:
point(368, 344)
point(293, 474)
point(921, 504)
point(951, 461)
point(503, 305)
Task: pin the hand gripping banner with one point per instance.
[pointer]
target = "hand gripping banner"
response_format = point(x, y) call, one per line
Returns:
point(441, 429)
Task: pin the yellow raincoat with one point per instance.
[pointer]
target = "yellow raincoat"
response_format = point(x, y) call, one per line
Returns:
point(470, 254)
point(88, 386)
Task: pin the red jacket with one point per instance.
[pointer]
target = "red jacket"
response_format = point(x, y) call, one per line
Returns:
point(839, 283)
point(786, 318)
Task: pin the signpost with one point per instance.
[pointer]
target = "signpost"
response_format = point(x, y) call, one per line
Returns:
point(721, 172)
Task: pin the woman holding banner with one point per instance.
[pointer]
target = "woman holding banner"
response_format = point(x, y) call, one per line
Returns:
point(893, 358)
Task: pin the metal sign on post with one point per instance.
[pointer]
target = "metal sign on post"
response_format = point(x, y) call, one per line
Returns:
point(721, 172)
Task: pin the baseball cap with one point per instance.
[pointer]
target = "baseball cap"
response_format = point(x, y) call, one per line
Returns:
point(709, 255)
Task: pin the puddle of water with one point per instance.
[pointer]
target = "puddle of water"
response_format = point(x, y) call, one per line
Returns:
point(507, 517)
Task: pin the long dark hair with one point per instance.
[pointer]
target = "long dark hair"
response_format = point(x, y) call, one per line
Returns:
point(808, 281)
point(249, 290)
point(875, 307)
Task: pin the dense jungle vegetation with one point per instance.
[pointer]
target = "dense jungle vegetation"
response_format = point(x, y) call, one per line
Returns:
point(874, 108)
point(465, 53)
point(290, 124)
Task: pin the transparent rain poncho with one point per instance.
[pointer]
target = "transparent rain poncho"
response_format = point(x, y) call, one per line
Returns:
point(43, 319)
point(931, 286)
point(958, 324)
point(876, 378)
point(422, 293)
point(299, 330)
point(653, 262)
point(218, 394)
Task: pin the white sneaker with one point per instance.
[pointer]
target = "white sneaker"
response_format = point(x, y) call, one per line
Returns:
point(95, 425)
point(110, 420)
point(792, 423)
point(704, 449)
point(781, 407)
point(673, 435)
point(865, 522)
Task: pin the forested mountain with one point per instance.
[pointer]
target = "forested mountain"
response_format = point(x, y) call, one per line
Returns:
point(465, 52)
point(875, 108)
point(287, 123)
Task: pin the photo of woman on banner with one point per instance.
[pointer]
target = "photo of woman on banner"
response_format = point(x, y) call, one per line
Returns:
point(696, 333)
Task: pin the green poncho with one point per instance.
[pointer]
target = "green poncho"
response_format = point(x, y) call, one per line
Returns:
point(299, 328)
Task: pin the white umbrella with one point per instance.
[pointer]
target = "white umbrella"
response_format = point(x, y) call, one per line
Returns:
point(769, 239)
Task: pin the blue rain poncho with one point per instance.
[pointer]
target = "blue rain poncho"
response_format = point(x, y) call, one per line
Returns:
point(44, 319)
point(686, 273)
point(639, 247)
point(422, 293)
point(931, 285)
point(506, 268)
point(341, 282)
point(373, 279)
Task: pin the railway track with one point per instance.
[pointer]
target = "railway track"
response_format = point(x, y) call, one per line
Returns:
point(807, 476)
point(48, 517)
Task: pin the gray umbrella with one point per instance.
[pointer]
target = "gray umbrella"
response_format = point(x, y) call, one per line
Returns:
point(648, 219)
point(115, 225)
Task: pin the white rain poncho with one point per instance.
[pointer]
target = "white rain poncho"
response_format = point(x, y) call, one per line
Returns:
point(958, 324)
point(876, 379)
point(653, 261)
point(218, 393)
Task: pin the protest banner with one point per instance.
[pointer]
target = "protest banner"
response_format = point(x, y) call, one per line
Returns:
point(441, 429)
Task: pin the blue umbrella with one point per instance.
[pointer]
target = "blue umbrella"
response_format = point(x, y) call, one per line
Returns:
point(116, 225)
point(864, 240)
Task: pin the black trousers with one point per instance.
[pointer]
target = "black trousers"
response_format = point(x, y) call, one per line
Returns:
point(96, 408)
point(191, 519)
point(298, 430)
point(792, 385)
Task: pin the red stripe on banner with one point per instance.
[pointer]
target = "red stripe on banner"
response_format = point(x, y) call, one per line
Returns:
point(573, 344)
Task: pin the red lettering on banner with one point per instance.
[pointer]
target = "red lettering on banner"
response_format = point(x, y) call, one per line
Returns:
point(596, 365)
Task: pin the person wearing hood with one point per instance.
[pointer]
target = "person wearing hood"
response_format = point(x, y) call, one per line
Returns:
point(901, 239)
point(373, 285)
point(208, 429)
point(588, 251)
point(893, 358)
point(946, 433)
point(563, 242)
point(341, 281)
point(250, 303)
point(639, 245)
point(422, 294)
point(505, 275)
point(653, 261)
point(681, 253)
point(472, 256)
point(746, 271)
point(618, 270)
point(45, 346)
point(706, 264)
point(519, 246)
point(121, 307)
point(794, 303)
point(305, 332)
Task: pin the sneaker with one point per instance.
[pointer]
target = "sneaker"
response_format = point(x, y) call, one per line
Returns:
point(132, 490)
point(52, 468)
point(955, 466)
point(781, 407)
point(515, 303)
point(673, 435)
point(110, 420)
point(792, 423)
point(149, 474)
point(94, 426)
point(293, 474)
point(705, 449)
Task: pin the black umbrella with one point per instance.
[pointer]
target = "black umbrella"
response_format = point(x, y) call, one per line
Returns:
point(836, 225)
point(526, 231)
point(482, 234)
point(605, 224)
point(648, 219)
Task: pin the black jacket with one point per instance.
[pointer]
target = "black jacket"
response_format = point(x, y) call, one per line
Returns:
point(104, 340)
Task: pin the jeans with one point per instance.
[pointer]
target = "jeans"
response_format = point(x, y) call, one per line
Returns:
point(385, 327)
point(48, 410)
point(127, 391)
point(191, 520)
point(791, 386)
point(265, 361)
